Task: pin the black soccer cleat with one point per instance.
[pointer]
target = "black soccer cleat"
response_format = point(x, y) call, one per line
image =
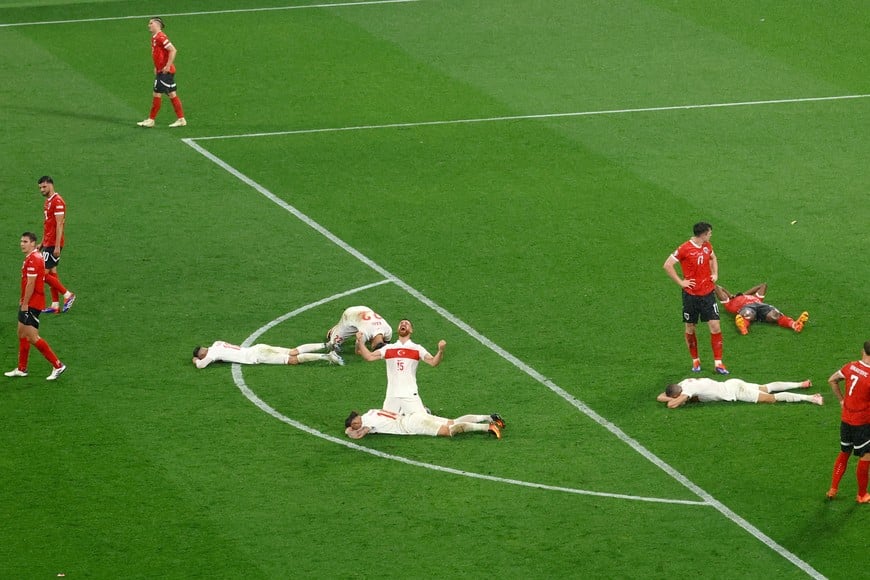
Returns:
point(497, 420)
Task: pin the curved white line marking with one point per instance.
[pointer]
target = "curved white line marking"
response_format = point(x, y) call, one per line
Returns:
point(239, 379)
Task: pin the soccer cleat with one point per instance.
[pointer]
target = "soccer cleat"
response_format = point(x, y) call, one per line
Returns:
point(335, 359)
point(722, 370)
point(742, 324)
point(56, 373)
point(863, 498)
point(51, 310)
point(799, 323)
point(832, 493)
point(180, 122)
point(497, 420)
point(497, 432)
point(68, 302)
point(334, 344)
point(16, 372)
point(818, 399)
point(146, 123)
point(696, 365)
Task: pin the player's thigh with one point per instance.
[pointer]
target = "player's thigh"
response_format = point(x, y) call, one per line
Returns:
point(708, 307)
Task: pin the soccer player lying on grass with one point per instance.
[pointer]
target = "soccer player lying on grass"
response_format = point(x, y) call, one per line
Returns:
point(749, 307)
point(708, 390)
point(380, 421)
point(221, 351)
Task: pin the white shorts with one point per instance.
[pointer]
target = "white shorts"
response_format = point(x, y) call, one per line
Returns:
point(271, 355)
point(404, 405)
point(743, 391)
point(423, 424)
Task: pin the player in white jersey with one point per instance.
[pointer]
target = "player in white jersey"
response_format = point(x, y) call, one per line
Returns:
point(221, 351)
point(402, 357)
point(708, 390)
point(357, 426)
point(373, 327)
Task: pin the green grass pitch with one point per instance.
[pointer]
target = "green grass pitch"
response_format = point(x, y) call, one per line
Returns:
point(511, 175)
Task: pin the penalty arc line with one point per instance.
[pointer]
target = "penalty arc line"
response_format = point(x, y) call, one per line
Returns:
point(579, 405)
point(239, 379)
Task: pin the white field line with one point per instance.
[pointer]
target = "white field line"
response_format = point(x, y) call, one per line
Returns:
point(582, 407)
point(209, 12)
point(538, 116)
point(239, 379)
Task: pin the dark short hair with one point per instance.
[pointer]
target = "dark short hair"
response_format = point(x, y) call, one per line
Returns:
point(867, 347)
point(673, 390)
point(701, 228)
point(158, 19)
point(30, 235)
point(196, 351)
point(45, 179)
point(353, 415)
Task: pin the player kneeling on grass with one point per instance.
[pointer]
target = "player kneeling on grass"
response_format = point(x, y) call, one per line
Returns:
point(708, 390)
point(221, 351)
point(381, 421)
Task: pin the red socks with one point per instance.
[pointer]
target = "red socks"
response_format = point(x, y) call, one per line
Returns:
point(785, 322)
point(863, 466)
point(23, 353)
point(839, 468)
point(155, 107)
point(56, 287)
point(716, 343)
point(46, 351)
point(176, 104)
point(692, 343)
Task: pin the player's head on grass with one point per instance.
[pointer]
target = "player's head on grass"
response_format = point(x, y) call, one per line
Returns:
point(673, 390)
point(197, 351)
point(349, 421)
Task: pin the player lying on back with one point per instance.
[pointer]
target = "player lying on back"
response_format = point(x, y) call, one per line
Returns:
point(750, 307)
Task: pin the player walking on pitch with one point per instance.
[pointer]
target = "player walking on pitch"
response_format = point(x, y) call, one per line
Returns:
point(53, 240)
point(163, 54)
point(31, 305)
point(700, 272)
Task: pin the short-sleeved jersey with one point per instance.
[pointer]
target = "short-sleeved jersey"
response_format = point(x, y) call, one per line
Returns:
point(54, 207)
point(221, 351)
point(734, 305)
point(381, 421)
point(160, 51)
point(856, 403)
point(695, 263)
point(361, 319)
point(33, 268)
point(402, 361)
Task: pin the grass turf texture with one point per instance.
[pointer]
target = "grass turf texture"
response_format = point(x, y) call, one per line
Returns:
point(545, 235)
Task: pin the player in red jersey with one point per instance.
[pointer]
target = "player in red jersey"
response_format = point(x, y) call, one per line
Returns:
point(53, 239)
point(31, 305)
point(700, 272)
point(749, 307)
point(163, 53)
point(854, 422)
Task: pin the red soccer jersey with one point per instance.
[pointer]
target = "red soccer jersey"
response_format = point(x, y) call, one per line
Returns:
point(34, 268)
point(856, 404)
point(160, 51)
point(735, 304)
point(695, 263)
point(54, 206)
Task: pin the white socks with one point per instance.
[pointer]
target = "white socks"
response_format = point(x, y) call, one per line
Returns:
point(310, 357)
point(311, 347)
point(472, 419)
point(781, 386)
point(792, 397)
point(457, 428)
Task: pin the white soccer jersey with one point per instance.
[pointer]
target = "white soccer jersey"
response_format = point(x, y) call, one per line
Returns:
point(361, 319)
point(402, 361)
point(708, 390)
point(221, 351)
point(381, 421)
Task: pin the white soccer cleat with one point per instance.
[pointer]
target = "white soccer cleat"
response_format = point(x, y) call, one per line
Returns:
point(56, 373)
point(181, 122)
point(817, 399)
point(16, 372)
point(146, 123)
point(335, 359)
